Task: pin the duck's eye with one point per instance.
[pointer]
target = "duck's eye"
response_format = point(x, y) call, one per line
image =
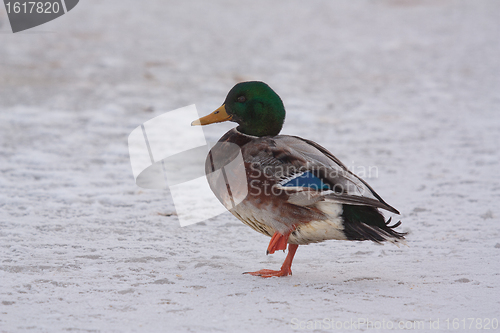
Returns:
point(241, 99)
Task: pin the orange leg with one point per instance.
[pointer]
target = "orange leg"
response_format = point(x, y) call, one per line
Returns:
point(286, 268)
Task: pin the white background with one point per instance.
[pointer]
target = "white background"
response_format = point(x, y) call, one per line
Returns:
point(411, 87)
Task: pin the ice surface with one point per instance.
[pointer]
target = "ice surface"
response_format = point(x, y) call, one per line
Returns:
point(408, 88)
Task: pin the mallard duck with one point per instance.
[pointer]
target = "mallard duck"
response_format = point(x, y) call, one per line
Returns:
point(298, 192)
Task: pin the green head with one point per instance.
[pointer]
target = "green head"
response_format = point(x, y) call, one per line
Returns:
point(256, 108)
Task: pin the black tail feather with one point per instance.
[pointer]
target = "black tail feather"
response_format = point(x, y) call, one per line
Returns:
point(367, 223)
point(393, 226)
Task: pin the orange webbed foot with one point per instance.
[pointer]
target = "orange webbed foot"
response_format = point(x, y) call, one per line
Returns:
point(266, 273)
point(286, 268)
point(278, 242)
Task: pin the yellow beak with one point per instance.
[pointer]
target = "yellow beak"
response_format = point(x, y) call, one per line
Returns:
point(218, 116)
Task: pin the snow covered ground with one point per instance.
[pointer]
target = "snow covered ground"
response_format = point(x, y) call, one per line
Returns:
point(409, 87)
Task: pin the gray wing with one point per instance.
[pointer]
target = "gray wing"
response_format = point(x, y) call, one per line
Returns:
point(288, 157)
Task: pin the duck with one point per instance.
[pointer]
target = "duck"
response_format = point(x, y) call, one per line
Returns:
point(297, 192)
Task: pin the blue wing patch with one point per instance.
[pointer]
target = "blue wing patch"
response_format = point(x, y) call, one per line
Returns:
point(307, 179)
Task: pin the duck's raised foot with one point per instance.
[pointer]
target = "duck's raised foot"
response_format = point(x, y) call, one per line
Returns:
point(266, 273)
point(278, 242)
